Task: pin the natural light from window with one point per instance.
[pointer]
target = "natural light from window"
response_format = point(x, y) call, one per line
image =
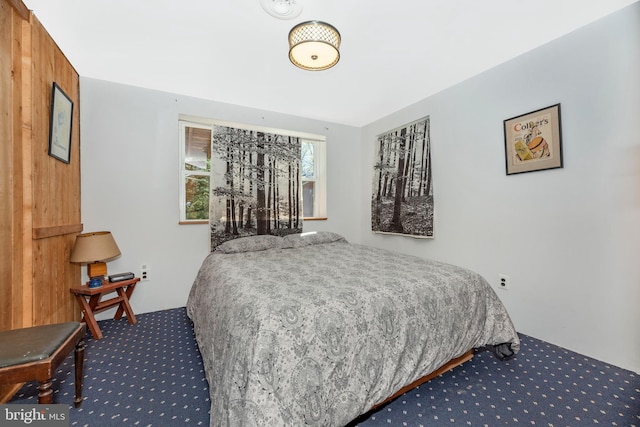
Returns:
point(196, 173)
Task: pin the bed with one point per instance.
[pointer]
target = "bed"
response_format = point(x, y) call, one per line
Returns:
point(310, 330)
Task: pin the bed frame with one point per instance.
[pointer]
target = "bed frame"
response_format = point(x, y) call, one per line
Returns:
point(441, 370)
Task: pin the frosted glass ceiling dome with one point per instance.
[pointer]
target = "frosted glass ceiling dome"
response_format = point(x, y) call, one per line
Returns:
point(282, 9)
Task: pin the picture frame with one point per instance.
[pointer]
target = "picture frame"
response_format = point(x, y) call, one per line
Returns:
point(60, 123)
point(533, 141)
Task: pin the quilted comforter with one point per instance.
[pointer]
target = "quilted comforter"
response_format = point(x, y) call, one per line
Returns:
point(317, 332)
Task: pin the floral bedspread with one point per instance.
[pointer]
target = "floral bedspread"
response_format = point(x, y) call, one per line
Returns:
point(317, 334)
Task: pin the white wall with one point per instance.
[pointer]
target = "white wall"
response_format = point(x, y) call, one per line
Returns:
point(130, 181)
point(568, 238)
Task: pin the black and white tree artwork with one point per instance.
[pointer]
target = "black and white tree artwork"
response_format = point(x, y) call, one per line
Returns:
point(402, 196)
point(255, 184)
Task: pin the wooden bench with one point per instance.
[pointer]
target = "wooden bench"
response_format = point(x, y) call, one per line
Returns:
point(33, 354)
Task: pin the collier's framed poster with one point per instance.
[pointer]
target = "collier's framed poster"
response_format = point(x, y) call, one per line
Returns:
point(533, 141)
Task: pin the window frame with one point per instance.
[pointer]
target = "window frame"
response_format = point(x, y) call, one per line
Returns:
point(319, 179)
point(184, 173)
point(320, 166)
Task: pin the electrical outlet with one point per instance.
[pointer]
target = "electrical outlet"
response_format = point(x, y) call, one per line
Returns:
point(504, 282)
point(144, 272)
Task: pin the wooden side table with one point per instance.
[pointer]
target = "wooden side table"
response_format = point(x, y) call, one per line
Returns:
point(90, 303)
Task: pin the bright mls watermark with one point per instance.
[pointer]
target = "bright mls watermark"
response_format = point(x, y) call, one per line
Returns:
point(34, 415)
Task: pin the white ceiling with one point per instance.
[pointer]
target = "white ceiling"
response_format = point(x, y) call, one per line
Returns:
point(393, 53)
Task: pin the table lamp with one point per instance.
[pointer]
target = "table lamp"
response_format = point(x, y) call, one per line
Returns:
point(94, 249)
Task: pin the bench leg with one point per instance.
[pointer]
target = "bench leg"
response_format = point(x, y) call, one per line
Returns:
point(46, 394)
point(79, 364)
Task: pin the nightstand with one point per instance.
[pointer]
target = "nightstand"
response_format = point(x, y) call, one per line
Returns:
point(90, 302)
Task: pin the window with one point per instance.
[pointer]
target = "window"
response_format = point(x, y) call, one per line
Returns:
point(313, 178)
point(195, 169)
point(195, 143)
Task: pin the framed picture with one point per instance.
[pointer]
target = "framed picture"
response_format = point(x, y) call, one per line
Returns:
point(60, 124)
point(533, 141)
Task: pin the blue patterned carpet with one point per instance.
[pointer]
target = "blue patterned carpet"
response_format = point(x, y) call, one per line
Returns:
point(151, 374)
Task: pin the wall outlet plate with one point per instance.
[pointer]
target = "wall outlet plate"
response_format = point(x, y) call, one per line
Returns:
point(504, 282)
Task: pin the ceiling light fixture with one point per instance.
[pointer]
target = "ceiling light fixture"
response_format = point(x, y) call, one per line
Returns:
point(314, 45)
point(282, 9)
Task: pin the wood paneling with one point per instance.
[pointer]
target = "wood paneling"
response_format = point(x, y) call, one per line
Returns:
point(19, 8)
point(11, 188)
point(22, 241)
point(40, 208)
point(55, 186)
point(6, 160)
point(55, 230)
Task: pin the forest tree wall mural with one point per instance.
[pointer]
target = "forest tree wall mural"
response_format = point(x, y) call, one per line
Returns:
point(402, 196)
point(255, 184)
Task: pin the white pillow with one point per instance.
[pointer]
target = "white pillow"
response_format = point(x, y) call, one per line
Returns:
point(250, 244)
point(311, 238)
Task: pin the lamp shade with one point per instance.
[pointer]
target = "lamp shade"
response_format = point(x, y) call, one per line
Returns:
point(93, 247)
point(314, 45)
